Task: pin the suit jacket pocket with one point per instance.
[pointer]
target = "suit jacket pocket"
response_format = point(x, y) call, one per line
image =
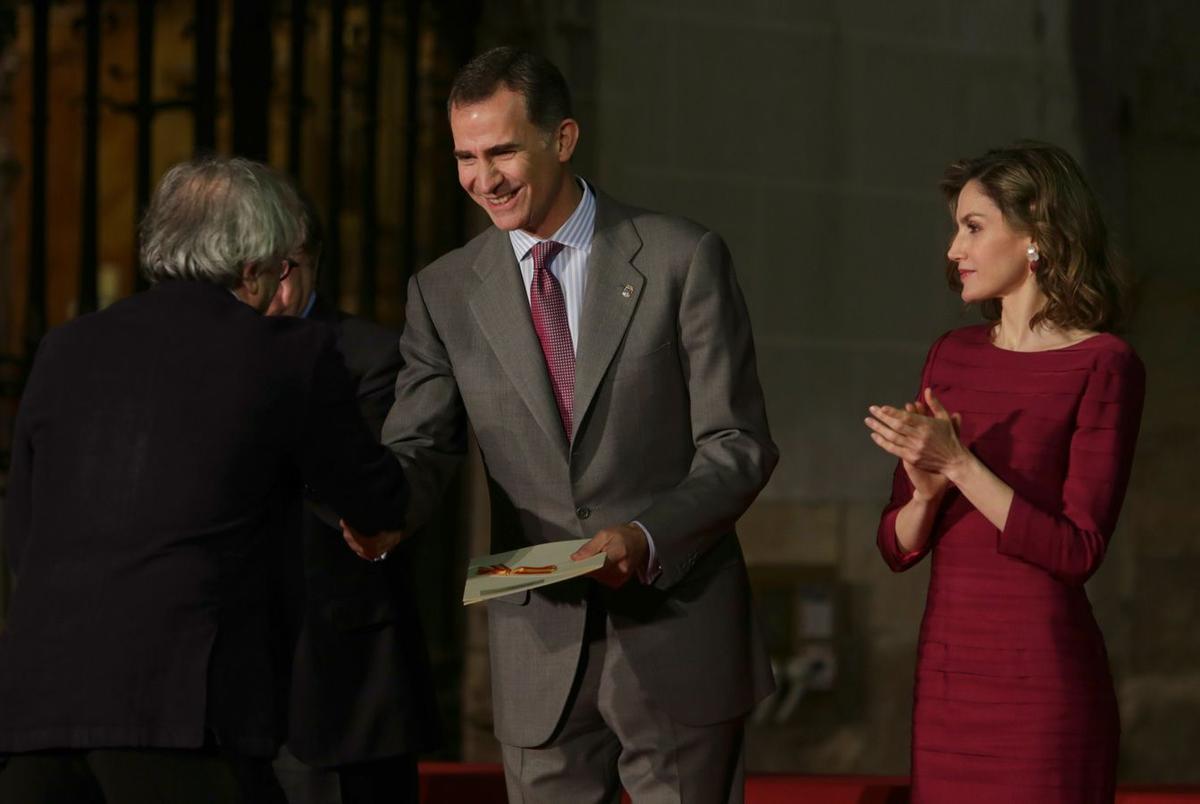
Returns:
point(360, 613)
point(631, 364)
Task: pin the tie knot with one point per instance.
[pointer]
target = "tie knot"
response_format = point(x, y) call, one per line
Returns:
point(544, 252)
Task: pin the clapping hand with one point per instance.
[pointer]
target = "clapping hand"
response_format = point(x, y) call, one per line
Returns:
point(371, 548)
point(924, 436)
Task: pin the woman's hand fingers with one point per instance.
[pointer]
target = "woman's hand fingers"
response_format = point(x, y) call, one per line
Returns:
point(898, 420)
point(882, 430)
point(934, 405)
point(891, 448)
point(923, 434)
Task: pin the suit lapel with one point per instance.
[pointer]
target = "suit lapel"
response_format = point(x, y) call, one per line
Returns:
point(501, 307)
point(614, 287)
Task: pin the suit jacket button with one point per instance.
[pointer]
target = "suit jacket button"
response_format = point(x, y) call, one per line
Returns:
point(583, 512)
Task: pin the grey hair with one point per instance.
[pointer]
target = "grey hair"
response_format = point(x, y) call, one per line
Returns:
point(210, 217)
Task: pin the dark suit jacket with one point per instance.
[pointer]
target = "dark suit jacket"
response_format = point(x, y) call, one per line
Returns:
point(361, 685)
point(670, 430)
point(160, 449)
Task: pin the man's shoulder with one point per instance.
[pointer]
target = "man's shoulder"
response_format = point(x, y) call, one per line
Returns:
point(364, 329)
point(352, 325)
point(453, 267)
point(677, 229)
point(190, 324)
point(198, 306)
point(365, 343)
point(652, 226)
point(453, 271)
point(362, 342)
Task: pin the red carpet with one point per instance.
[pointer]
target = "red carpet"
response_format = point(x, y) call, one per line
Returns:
point(459, 783)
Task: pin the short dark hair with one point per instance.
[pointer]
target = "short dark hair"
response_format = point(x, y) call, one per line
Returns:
point(534, 77)
point(1041, 191)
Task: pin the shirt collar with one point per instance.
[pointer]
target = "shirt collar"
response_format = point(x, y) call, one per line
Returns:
point(312, 300)
point(576, 231)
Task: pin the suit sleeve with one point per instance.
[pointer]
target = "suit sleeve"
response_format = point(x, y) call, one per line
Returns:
point(902, 491)
point(426, 428)
point(1070, 543)
point(341, 460)
point(18, 499)
point(734, 454)
point(377, 385)
point(18, 502)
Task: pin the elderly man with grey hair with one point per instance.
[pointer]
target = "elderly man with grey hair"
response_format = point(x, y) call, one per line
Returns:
point(159, 455)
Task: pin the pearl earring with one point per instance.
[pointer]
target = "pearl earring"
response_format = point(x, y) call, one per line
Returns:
point(1032, 253)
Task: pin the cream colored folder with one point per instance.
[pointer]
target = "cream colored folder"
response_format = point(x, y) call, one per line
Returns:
point(484, 586)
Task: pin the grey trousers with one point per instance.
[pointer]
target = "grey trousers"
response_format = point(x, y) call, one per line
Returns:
point(614, 734)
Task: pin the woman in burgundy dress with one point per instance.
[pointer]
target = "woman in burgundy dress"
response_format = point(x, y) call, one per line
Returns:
point(1013, 466)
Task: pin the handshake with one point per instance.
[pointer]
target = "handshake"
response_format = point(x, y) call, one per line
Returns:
point(371, 548)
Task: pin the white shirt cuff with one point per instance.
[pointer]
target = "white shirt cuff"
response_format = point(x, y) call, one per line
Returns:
point(649, 574)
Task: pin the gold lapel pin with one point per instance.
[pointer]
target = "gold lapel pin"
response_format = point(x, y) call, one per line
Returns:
point(627, 291)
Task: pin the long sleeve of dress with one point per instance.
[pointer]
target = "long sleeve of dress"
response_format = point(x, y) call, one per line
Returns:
point(885, 538)
point(1070, 543)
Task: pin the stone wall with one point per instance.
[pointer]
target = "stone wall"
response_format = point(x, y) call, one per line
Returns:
point(812, 136)
point(1142, 87)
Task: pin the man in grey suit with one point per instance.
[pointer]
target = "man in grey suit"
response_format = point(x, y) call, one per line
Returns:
point(604, 358)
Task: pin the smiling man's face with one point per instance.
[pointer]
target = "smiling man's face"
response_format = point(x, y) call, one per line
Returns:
point(516, 171)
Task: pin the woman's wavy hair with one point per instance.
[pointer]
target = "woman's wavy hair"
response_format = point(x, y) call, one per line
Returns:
point(1041, 191)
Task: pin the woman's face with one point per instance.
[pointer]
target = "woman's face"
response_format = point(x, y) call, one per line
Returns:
point(991, 256)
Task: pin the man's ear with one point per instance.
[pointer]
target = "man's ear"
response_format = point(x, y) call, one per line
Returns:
point(247, 288)
point(250, 276)
point(566, 139)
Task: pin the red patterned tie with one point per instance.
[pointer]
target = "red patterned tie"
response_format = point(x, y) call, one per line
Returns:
point(550, 322)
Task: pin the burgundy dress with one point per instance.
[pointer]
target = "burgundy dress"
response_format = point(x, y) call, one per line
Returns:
point(1014, 701)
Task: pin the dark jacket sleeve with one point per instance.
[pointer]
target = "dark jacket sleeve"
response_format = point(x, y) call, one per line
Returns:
point(18, 500)
point(373, 355)
point(342, 463)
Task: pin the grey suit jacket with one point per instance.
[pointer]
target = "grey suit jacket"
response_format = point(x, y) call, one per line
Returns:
point(670, 430)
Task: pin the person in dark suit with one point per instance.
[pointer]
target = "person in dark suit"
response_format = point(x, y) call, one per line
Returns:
point(362, 697)
point(603, 355)
point(160, 451)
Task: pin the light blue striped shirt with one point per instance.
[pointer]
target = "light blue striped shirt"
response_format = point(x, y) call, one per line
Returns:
point(570, 266)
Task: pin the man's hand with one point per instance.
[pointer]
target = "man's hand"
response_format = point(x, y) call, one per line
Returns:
point(625, 554)
point(371, 548)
